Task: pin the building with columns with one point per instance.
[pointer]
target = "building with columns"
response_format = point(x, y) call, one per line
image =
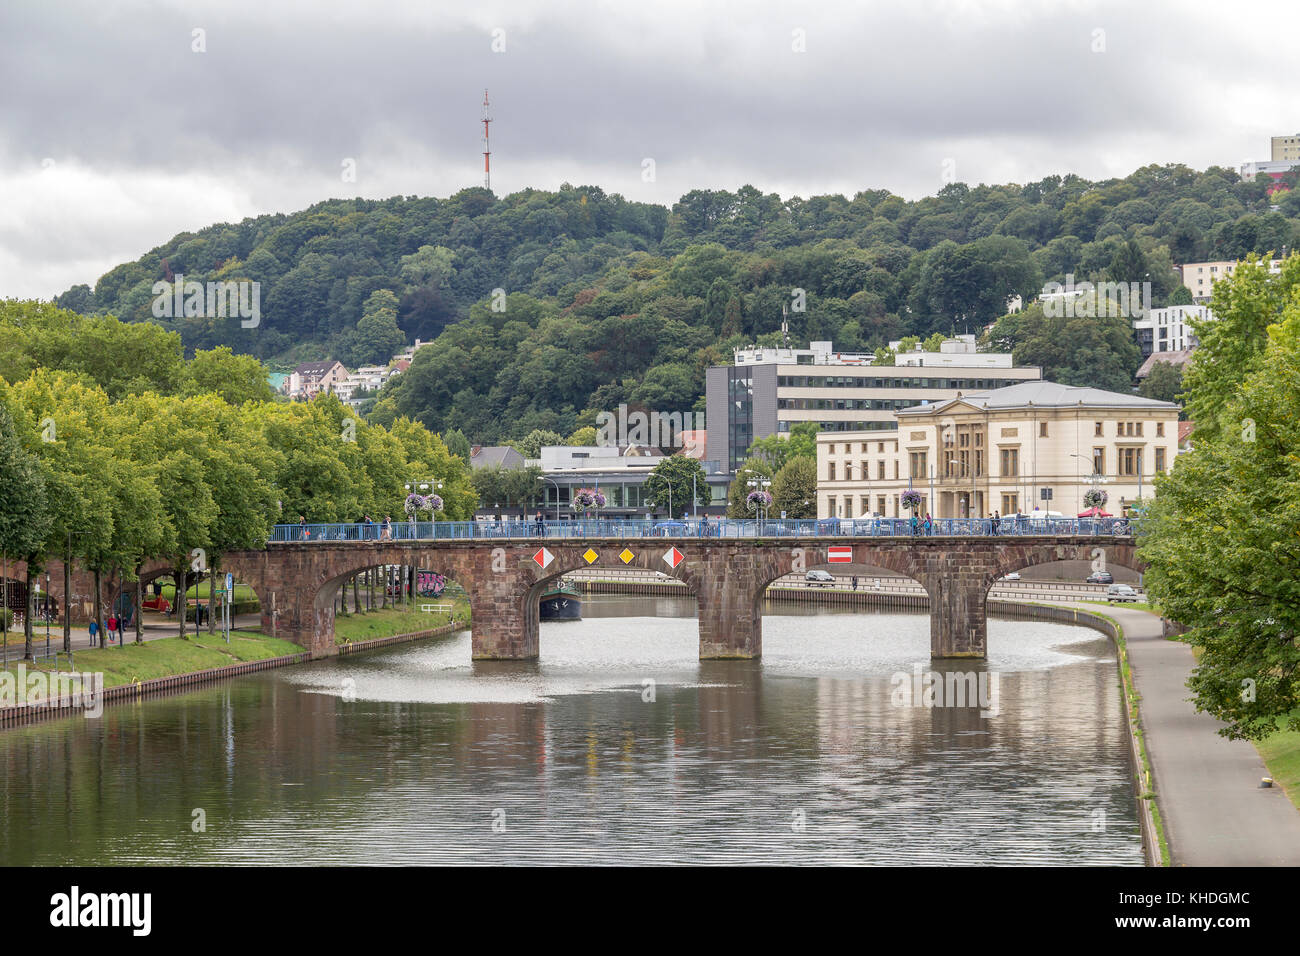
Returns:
point(1014, 449)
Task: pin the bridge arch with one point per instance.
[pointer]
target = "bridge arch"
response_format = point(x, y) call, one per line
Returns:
point(596, 554)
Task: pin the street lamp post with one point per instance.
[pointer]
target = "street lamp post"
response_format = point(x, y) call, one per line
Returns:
point(433, 485)
point(557, 495)
point(759, 484)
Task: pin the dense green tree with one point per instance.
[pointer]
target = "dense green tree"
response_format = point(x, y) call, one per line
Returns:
point(25, 514)
point(674, 479)
point(1232, 345)
point(794, 488)
point(1163, 383)
point(1220, 540)
point(1070, 349)
point(530, 446)
point(777, 449)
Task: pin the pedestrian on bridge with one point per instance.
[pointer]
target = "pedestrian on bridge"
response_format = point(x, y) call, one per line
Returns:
point(996, 521)
point(929, 525)
point(915, 524)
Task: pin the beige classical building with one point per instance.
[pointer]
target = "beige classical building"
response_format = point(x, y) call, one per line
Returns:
point(1038, 444)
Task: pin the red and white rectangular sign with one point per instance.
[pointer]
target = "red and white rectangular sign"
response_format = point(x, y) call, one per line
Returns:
point(840, 554)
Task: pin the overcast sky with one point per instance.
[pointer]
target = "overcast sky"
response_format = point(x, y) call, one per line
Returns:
point(116, 132)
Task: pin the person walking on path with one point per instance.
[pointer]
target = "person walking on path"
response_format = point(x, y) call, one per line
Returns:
point(929, 525)
point(996, 521)
point(112, 626)
point(855, 582)
point(386, 532)
point(915, 523)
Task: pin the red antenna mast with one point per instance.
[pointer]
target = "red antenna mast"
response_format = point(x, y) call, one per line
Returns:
point(487, 149)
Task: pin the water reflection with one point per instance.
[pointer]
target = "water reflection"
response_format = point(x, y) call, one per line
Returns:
point(619, 746)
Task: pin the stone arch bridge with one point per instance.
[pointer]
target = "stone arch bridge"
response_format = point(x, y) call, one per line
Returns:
point(297, 582)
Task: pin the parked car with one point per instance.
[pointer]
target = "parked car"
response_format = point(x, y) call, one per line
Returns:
point(819, 579)
point(1100, 577)
point(1121, 592)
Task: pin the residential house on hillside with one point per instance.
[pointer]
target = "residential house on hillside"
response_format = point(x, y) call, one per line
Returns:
point(312, 378)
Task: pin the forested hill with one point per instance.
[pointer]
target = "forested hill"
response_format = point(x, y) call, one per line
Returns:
point(603, 300)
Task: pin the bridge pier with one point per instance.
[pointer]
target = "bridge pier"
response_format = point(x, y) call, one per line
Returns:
point(958, 627)
point(731, 625)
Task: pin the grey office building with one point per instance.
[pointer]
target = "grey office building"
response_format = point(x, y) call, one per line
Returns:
point(769, 390)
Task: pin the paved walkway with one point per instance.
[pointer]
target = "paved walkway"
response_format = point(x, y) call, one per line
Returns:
point(1207, 787)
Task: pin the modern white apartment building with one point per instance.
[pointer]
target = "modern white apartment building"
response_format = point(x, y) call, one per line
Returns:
point(768, 391)
point(1169, 329)
point(1037, 444)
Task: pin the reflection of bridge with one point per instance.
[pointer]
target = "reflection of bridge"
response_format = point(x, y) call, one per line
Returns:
point(297, 581)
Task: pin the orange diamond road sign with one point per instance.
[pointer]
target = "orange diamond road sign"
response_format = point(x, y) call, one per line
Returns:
point(543, 557)
point(589, 556)
point(673, 557)
point(626, 555)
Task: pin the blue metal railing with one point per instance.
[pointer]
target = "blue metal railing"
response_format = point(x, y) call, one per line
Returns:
point(697, 528)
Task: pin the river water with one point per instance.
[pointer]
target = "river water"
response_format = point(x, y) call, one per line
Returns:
point(618, 747)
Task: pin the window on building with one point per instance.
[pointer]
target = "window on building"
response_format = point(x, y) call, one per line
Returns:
point(863, 470)
point(918, 464)
point(880, 505)
point(831, 506)
point(1099, 461)
point(1160, 429)
point(830, 471)
point(848, 471)
point(1010, 504)
point(880, 469)
point(1130, 461)
point(1010, 462)
point(1097, 429)
point(865, 504)
point(1138, 427)
point(1042, 429)
point(895, 467)
point(1160, 460)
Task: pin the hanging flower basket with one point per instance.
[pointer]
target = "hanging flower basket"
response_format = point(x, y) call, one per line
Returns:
point(585, 499)
point(1094, 498)
point(416, 503)
point(911, 500)
point(758, 499)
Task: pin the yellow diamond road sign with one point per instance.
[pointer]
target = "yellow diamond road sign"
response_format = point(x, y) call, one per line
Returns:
point(626, 555)
point(589, 556)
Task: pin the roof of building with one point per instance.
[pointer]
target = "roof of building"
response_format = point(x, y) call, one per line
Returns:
point(1043, 395)
point(1179, 357)
point(315, 368)
point(483, 456)
point(1184, 430)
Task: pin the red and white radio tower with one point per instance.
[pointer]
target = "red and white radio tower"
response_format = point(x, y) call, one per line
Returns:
point(487, 149)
